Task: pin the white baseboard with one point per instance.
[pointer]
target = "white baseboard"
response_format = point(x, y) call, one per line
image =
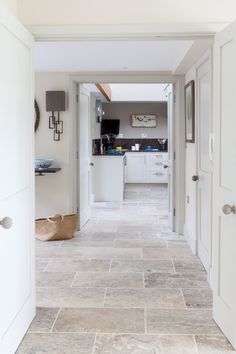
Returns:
point(191, 240)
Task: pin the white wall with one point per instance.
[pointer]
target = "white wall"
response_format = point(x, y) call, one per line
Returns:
point(51, 189)
point(10, 5)
point(190, 228)
point(124, 110)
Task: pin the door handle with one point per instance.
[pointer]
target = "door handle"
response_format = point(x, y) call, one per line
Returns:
point(91, 164)
point(228, 209)
point(165, 166)
point(6, 223)
point(195, 178)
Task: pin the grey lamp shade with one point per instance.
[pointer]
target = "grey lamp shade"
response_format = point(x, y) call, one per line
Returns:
point(55, 101)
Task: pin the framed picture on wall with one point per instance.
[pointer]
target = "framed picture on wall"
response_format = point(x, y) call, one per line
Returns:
point(143, 121)
point(189, 112)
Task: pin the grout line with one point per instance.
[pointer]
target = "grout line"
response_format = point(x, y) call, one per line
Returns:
point(145, 320)
point(73, 280)
point(104, 298)
point(94, 343)
point(55, 320)
point(48, 263)
point(173, 266)
point(195, 342)
point(109, 270)
point(181, 291)
point(143, 281)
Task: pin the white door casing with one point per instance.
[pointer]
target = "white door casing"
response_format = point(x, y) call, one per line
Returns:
point(204, 169)
point(224, 186)
point(170, 164)
point(84, 190)
point(17, 295)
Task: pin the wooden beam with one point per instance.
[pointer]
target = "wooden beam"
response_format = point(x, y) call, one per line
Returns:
point(105, 90)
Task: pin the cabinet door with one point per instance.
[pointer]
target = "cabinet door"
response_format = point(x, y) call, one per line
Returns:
point(136, 169)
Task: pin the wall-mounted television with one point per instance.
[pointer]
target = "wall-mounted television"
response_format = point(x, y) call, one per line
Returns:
point(110, 126)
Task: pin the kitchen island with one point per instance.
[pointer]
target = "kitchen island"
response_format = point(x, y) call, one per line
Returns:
point(111, 172)
point(108, 177)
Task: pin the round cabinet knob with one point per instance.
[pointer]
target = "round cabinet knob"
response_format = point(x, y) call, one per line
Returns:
point(6, 222)
point(228, 209)
point(195, 178)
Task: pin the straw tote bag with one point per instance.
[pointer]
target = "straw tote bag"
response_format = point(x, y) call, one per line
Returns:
point(56, 227)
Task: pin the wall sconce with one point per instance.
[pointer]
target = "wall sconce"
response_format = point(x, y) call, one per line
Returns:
point(56, 102)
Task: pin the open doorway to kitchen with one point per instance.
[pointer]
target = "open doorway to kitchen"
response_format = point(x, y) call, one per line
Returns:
point(125, 156)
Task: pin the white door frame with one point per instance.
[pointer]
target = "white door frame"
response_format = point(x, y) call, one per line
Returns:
point(133, 77)
point(208, 56)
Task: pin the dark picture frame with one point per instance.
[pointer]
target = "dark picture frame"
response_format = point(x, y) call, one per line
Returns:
point(189, 94)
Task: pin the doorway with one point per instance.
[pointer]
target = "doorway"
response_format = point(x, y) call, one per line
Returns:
point(148, 168)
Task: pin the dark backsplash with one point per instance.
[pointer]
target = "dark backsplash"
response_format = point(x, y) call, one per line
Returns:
point(127, 143)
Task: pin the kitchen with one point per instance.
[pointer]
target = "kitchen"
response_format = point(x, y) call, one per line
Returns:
point(130, 145)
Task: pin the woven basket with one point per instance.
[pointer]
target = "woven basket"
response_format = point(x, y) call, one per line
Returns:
point(56, 227)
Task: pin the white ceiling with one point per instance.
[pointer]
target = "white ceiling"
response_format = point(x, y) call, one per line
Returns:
point(138, 92)
point(73, 12)
point(160, 55)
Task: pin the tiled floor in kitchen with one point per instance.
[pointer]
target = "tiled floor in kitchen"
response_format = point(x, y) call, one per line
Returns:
point(124, 285)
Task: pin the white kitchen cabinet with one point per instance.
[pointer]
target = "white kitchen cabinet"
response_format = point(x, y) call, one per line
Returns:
point(135, 169)
point(146, 167)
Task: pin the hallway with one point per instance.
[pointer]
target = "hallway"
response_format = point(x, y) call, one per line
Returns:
point(124, 285)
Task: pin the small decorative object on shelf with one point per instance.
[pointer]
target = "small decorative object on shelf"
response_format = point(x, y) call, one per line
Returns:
point(56, 102)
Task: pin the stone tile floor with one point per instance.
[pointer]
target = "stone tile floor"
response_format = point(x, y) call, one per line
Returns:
point(124, 285)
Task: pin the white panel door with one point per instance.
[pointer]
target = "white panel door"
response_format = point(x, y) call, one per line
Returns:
point(204, 107)
point(84, 189)
point(17, 295)
point(224, 182)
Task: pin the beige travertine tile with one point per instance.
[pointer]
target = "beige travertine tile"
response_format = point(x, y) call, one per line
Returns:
point(181, 322)
point(107, 279)
point(214, 345)
point(140, 298)
point(140, 243)
point(78, 265)
point(185, 265)
point(70, 297)
point(198, 298)
point(177, 244)
point(141, 266)
point(144, 227)
point(53, 279)
point(57, 343)
point(100, 320)
point(115, 235)
point(41, 264)
point(144, 344)
point(90, 252)
point(39, 243)
point(83, 242)
point(44, 319)
point(177, 280)
point(167, 253)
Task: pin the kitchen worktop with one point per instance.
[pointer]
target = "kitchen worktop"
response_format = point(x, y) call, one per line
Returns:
point(129, 151)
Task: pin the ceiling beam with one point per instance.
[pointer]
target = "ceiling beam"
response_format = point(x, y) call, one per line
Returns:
point(105, 90)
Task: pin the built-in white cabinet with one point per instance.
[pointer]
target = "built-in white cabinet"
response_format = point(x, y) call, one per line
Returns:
point(146, 167)
point(135, 167)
